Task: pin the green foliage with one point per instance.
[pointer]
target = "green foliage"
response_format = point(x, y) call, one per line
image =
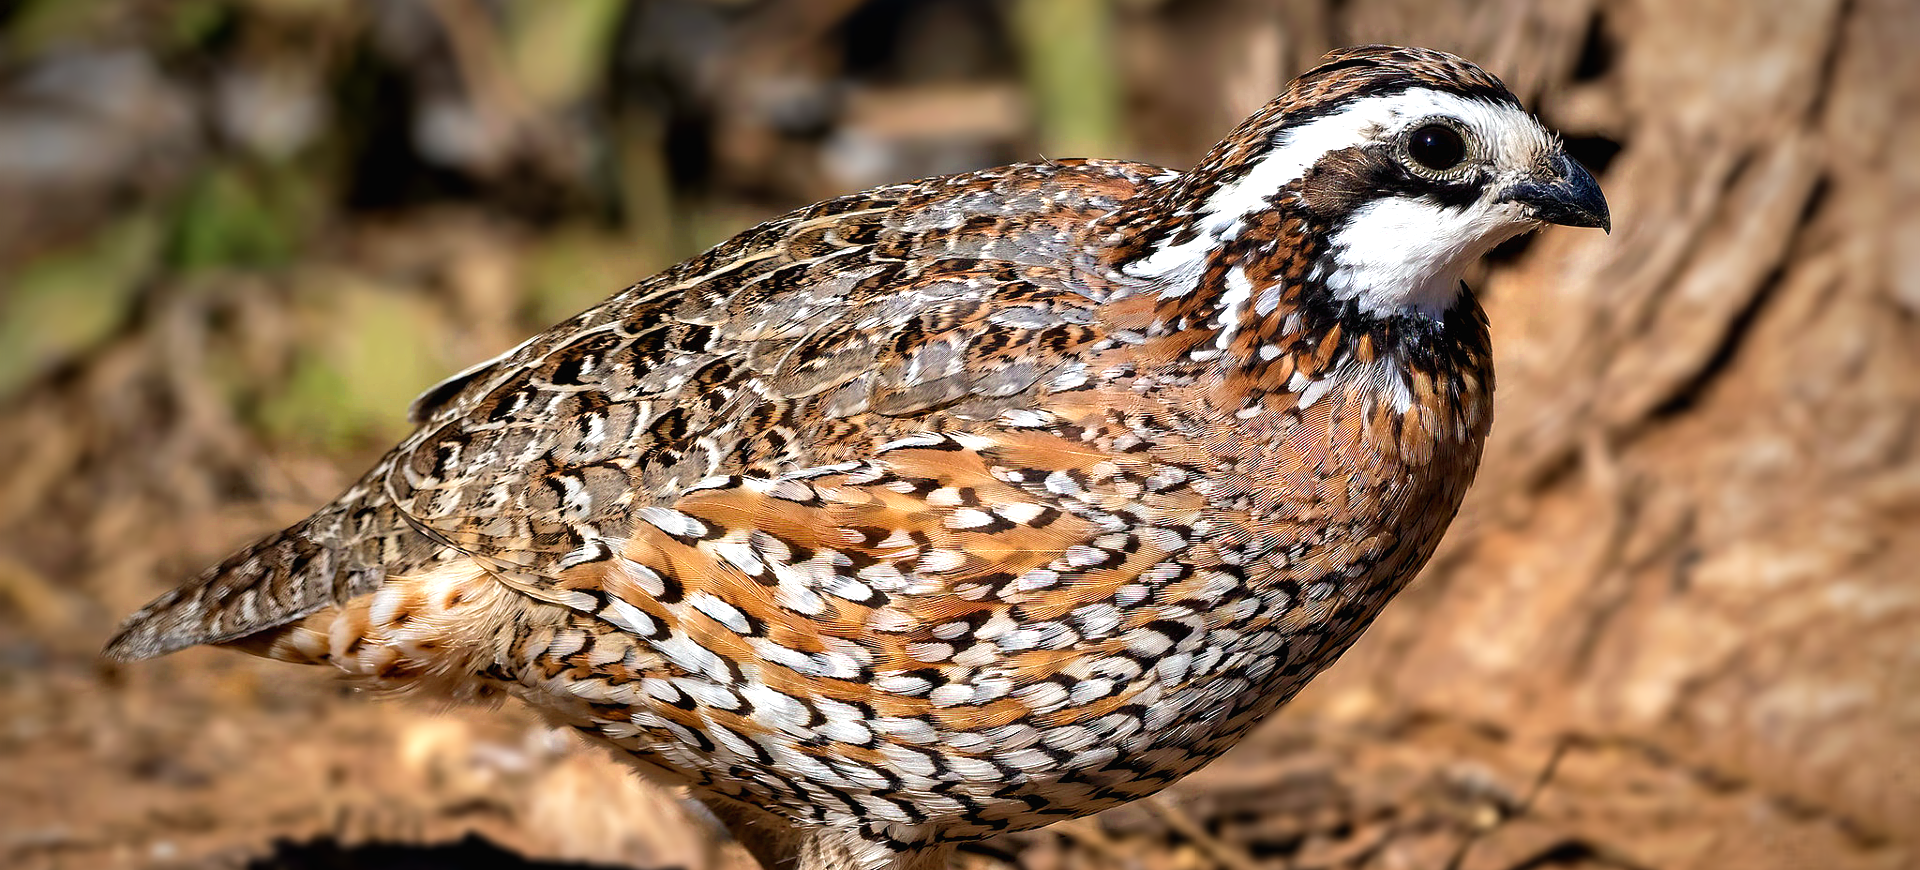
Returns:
point(197, 24)
point(575, 269)
point(217, 223)
point(558, 51)
point(235, 217)
point(65, 302)
point(1066, 48)
point(40, 24)
point(372, 351)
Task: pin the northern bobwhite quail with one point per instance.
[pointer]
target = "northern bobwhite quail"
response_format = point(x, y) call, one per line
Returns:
point(958, 506)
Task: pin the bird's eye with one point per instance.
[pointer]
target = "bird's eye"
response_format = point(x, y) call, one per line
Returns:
point(1437, 147)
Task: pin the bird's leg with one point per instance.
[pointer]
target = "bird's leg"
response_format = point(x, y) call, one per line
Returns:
point(831, 849)
point(777, 844)
point(769, 838)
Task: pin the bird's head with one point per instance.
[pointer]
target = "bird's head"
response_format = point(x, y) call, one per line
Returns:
point(1404, 165)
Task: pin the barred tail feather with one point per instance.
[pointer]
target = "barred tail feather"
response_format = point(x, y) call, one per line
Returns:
point(280, 579)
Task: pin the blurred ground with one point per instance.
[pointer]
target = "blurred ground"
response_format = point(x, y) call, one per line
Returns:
point(1676, 627)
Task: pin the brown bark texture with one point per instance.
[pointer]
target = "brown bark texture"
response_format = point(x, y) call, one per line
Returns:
point(1677, 624)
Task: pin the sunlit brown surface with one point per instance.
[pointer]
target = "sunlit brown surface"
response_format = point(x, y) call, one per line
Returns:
point(1675, 626)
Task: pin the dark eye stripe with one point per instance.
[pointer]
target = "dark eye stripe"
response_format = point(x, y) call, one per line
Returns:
point(1345, 180)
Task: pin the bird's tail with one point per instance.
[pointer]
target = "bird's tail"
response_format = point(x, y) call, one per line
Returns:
point(345, 550)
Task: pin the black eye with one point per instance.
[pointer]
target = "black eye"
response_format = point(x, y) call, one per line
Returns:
point(1437, 147)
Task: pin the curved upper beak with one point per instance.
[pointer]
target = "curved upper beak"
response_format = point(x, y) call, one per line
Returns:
point(1564, 193)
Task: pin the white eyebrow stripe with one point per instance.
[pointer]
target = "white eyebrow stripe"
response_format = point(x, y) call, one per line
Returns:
point(1298, 147)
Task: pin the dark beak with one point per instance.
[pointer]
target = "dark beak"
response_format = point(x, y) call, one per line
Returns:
point(1563, 193)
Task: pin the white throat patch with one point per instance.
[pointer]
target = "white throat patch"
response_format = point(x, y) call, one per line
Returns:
point(1401, 254)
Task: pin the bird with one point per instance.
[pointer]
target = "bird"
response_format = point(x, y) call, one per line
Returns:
point(958, 506)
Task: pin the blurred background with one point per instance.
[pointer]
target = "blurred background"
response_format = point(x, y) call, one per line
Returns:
point(1677, 625)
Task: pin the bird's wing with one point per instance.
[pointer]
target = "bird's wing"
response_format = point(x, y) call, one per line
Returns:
point(808, 341)
point(753, 357)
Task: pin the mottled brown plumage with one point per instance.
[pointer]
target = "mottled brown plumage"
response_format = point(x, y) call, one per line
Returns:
point(951, 507)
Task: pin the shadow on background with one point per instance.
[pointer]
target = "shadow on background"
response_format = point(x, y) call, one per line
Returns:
point(472, 852)
point(238, 236)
